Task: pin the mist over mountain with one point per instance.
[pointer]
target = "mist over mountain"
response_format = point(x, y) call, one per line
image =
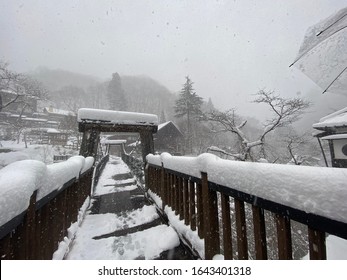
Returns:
point(71, 91)
point(54, 79)
point(146, 95)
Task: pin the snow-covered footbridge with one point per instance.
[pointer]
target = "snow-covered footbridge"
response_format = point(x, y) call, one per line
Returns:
point(186, 208)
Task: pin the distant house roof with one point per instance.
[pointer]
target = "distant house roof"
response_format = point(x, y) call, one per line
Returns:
point(55, 111)
point(335, 120)
point(168, 124)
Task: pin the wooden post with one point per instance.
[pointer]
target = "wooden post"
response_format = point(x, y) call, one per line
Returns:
point(211, 227)
point(317, 244)
point(177, 195)
point(31, 248)
point(172, 191)
point(163, 186)
point(199, 214)
point(192, 214)
point(147, 143)
point(186, 201)
point(259, 233)
point(180, 198)
point(242, 246)
point(284, 237)
point(226, 220)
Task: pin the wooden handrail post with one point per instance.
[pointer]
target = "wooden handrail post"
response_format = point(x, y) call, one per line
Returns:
point(192, 212)
point(210, 210)
point(317, 244)
point(29, 225)
point(181, 198)
point(226, 220)
point(199, 214)
point(186, 201)
point(259, 233)
point(240, 215)
point(177, 196)
point(284, 237)
point(163, 186)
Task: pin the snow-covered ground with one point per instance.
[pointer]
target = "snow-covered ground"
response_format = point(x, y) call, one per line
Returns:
point(11, 151)
point(143, 244)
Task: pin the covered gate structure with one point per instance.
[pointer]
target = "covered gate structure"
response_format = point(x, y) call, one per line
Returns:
point(94, 121)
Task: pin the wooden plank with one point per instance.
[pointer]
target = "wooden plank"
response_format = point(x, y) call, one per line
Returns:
point(163, 187)
point(180, 197)
point(172, 191)
point(192, 212)
point(177, 196)
point(317, 245)
point(186, 201)
point(240, 216)
point(284, 237)
point(30, 240)
point(259, 233)
point(227, 235)
point(199, 211)
point(211, 226)
point(5, 247)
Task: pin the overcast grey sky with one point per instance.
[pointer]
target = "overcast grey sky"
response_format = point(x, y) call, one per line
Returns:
point(230, 49)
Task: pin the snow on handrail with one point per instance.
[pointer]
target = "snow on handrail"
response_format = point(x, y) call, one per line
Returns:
point(318, 190)
point(19, 180)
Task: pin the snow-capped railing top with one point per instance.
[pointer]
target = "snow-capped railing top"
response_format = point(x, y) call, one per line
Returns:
point(19, 180)
point(116, 117)
point(318, 190)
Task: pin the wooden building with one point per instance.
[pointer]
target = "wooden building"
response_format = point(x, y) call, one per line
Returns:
point(168, 139)
point(333, 128)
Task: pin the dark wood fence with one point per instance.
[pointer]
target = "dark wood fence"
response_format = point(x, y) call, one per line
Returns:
point(205, 207)
point(36, 233)
point(136, 165)
point(57, 158)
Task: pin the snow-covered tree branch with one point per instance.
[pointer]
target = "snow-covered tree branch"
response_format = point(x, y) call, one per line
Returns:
point(284, 112)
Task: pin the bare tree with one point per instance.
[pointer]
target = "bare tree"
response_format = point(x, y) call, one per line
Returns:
point(18, 95)
point(284, 112)
point(20, 89)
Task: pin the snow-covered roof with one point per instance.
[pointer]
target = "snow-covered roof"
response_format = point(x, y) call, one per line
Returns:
point(56, 111)
point(335, 136)
point(116, 117)
point(336, 119)
point(35, 119)
point(318, 190)
point(160, 126)
point(114, 142)
point(52, 130)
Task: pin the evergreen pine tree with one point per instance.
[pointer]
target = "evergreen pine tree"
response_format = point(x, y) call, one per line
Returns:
point(115, 94)
point(162, 117)
point(188, 104)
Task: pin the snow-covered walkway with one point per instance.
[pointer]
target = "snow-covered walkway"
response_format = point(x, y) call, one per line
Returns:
point(122, 224)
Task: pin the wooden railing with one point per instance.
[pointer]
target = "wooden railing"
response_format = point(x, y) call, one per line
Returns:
point(209, 208)
point(36, 233)
point(136, 166)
